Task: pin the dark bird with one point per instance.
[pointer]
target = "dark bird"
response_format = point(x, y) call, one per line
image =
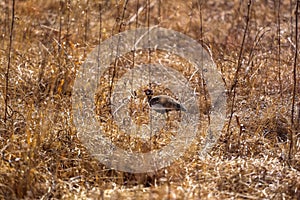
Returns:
point(163, 103)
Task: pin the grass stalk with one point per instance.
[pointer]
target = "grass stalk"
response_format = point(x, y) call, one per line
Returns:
point(9, 63)
point(294, 80)
point(239, 66)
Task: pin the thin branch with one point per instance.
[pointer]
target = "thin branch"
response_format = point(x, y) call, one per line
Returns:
point(86, 25)
point(99, 41)
point(294, 78)
point(239, 66)
point(295, 61)
point(60, 26)
point(68, 23)
point(9, 61)
point(149, 65)
point(279, 47)
point(149, 50)
point(114, 72)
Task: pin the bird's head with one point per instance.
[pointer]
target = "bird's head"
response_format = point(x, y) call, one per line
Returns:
point(148, 92)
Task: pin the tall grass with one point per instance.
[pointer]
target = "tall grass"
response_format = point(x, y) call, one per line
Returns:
point(255, 47)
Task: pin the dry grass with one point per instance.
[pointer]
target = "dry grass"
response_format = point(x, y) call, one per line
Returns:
point(41, 156)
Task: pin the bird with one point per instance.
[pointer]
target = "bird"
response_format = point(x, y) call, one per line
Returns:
point(163, 103)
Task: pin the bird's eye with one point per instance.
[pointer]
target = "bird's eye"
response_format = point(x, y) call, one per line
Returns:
point(148, 92)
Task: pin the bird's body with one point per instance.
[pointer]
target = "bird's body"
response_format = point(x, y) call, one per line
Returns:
point(163, 103)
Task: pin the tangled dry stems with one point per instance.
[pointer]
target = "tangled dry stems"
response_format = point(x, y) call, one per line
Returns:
point(42, 156)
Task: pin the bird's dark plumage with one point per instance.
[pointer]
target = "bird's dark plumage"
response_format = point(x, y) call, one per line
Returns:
point(163, 103)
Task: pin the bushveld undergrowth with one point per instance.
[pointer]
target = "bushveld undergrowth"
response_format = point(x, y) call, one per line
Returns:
point(254, 46)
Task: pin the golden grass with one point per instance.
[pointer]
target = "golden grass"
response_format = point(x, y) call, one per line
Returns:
point(41, 155)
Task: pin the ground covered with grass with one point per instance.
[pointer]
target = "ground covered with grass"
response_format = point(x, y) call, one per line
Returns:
point(253, 44)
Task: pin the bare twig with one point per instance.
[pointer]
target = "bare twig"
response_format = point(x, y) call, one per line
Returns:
point(9, 61)
point(60, 27)
point(137, 10)
point(291, 18)
point(201, 39)
point(149, 60)
point(201, 19)
point(86, 25)
point(239, 66)
point(5, 26)
point(114, 70)
point(68, 23)
point(159, 10)
point(149, 50)
point(99, 41)
point(295, 61)
point(279, 48)
point(294, 77)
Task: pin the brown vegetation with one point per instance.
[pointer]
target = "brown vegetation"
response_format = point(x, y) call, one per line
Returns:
point(256, 157)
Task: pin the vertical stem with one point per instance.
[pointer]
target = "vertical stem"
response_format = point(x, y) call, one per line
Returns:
point(291, 18)
point(99, 41)
point(201, 19)
point(149, 65)
point(60, 28)
point(279, 48)
point(149, 50)
point(114, 72)
point(86, 25)
point(239, 66)
point(68, 23)
point(294, 78)
point(295, 61)
point(159, 10)
point(9, 61)
point(202, 42)
point(5, 26)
